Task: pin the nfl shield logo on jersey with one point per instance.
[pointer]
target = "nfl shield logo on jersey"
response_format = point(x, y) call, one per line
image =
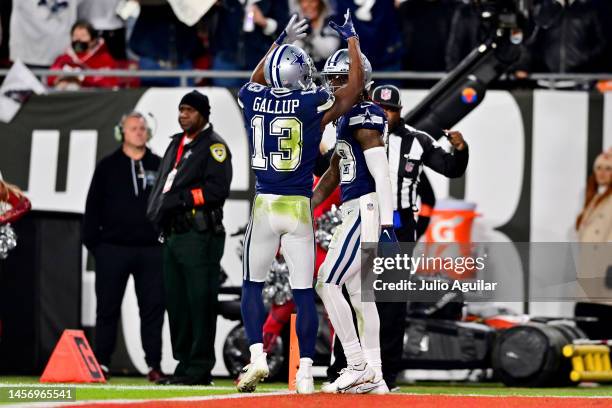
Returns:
point(409, 166)
point(385, 94)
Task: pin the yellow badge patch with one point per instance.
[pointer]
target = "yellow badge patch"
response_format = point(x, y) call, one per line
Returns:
point(219, 152)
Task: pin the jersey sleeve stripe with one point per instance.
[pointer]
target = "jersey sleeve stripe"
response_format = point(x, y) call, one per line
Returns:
point(326, 105)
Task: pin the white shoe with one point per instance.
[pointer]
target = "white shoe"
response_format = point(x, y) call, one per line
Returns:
point(350, 377)
point(304, 384)
point(329, 387)
point(253, 373)
point(372, 387)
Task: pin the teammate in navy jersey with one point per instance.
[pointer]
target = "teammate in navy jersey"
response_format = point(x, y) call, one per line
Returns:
point(359, 164)
point(284, 115)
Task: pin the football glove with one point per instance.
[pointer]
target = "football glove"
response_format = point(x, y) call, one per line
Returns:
point(294, 31)
point(346, 30)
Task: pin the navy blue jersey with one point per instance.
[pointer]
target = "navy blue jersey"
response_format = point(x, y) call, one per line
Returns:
point(284, 129)
point(355, 178)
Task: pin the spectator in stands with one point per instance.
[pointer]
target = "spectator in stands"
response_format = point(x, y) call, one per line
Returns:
point(568, 38)
point(604, 11)
point(162, 42)
point(103, 17)
point(425, 29)
point(322, 40)
point(226, 41)
point(123, 242)
point(87, 51)
point(264, 21)
point(467, 31)
point(594, 224)
point(378, 28)
point(40, 30)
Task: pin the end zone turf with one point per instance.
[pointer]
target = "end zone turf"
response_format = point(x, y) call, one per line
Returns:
point(286, 400)
point(137, 392)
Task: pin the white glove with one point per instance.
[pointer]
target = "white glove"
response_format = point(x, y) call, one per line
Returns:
point(294, 31)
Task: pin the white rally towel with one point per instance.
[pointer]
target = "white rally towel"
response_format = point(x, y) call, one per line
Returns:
point(19, 84)
point(191, 11)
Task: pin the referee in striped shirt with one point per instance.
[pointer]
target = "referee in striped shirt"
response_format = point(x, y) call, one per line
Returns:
point(408, 150)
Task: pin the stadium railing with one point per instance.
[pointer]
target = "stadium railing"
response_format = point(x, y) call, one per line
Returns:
point(184, 76)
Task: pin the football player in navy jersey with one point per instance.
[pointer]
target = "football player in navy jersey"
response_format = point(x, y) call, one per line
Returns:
point(285, 115)
point(359, 164)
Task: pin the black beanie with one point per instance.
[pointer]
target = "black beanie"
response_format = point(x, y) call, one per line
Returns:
point(197, 101)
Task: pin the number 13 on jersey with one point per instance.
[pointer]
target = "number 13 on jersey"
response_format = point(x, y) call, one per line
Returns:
point(286, 153)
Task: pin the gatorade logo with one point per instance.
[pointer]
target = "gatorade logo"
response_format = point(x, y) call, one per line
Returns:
point(444, 230)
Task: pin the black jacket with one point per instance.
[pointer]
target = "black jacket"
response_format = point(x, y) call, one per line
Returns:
point(568, 39)
point(115, 211)
point(205, 166)
point(409, 150)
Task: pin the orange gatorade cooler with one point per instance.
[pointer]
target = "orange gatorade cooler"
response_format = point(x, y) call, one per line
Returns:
point(449, 236)
point(451, 221)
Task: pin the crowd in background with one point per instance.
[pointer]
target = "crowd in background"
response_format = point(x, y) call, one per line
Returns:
point(564, 36)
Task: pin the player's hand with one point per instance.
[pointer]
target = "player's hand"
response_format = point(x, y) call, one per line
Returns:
point(388, 246)
point(295, 30)
point(346, 30)
point(455, 138)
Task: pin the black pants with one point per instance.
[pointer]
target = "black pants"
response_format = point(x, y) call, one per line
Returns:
point(393, 315)
point(191, 279)
point(114, 264)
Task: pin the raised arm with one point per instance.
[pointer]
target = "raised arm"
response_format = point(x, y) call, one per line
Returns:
point(294, 31)
point(328, 182)
point(347, 95)
point(451, 165)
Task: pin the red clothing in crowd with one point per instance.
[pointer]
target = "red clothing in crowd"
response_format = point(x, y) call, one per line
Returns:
point(96, 58)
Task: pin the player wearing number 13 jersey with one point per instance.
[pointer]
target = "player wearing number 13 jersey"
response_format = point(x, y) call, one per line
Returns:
point(284, 115)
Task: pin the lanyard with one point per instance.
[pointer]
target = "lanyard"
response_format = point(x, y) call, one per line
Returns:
point(179, 152)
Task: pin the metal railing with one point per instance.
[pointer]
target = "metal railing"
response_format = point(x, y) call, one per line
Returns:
point(185, 75)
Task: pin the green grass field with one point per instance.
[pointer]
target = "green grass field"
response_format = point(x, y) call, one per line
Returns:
point(139, 388)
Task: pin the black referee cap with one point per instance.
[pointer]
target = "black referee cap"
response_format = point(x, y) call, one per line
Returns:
point(387, 96)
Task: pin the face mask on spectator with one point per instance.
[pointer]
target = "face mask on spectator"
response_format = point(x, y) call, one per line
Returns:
point(80, 46)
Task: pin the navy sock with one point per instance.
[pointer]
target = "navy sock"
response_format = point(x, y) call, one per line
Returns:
point(253, 310)
point(307, 323)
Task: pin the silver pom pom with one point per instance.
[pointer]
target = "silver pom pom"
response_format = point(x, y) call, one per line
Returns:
point(8, 240)
point(276, 288)
point(326, 225)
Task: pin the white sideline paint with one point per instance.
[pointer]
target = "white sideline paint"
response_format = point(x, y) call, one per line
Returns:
point(279, 393)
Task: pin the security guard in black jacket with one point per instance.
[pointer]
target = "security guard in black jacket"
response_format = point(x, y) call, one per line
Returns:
point(408, 150)
point(187, 206)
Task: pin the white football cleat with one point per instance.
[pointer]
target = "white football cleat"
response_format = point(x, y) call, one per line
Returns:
point(329, 387)
point(350, 377)
point(253, 373)
point(372, 387)
point(304, 384)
